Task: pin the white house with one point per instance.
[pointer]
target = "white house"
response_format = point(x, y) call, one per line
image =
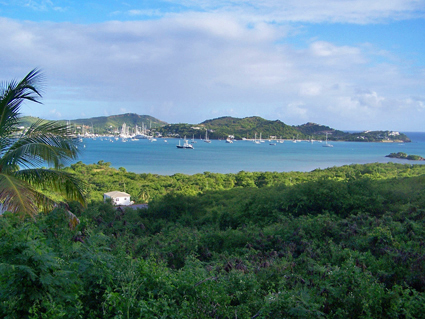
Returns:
point(118, 198)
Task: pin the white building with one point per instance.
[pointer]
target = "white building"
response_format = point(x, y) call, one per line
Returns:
point(118, 198)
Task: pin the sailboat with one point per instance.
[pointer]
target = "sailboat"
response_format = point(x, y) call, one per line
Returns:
point(185, 144)
point(327, 144)
point(255, 139)
point(206, 137)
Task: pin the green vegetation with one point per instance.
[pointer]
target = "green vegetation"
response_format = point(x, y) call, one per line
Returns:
point(341, 242)
point(405, 156)
point(318, 131)
point(105, 124)
point(249, 126)
point(222, 127)
point(22, 184)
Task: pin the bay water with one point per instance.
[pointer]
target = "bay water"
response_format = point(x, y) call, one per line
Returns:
point(164, 158)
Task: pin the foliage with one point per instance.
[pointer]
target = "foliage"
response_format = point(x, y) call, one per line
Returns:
point(22, 183)
point(403, 155)
point(221, 128)
point(341, 242)
point(144, 188)
point(316, 130)
point(107, 124)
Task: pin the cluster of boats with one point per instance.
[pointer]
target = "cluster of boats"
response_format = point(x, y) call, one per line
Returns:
point(187, 145)
point(124, 136)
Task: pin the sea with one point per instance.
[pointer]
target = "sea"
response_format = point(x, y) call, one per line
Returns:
point(164, 158)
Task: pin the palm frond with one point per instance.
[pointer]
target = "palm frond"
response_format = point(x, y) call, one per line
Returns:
point(12, 94)
point(57, 181)
point(16, 195)
point(44, 142)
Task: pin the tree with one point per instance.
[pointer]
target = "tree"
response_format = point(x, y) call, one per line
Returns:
point(23, 183)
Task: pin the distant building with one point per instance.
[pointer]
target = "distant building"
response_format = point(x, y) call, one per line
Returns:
point(118, 198)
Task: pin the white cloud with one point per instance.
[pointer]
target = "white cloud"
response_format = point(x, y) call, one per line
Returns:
point(326, 49)
point(344, 11)
point(55, 113)
point(142, 13)
point(43, 5)
point(369, 99)
point(311, 89)
point(187, 67)
point(315, 11)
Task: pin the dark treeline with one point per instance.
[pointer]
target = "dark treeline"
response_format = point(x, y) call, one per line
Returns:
point(341, 242)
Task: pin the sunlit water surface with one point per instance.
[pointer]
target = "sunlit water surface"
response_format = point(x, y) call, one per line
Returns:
point(160, 157)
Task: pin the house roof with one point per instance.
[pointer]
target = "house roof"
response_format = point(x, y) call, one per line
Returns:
point(116, 194)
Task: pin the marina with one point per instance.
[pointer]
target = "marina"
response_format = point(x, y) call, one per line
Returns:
point(163, 157)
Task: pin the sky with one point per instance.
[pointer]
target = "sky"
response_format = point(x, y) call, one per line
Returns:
point(348, 64)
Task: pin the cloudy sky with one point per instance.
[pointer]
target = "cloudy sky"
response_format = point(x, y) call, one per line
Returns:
point(349, 64)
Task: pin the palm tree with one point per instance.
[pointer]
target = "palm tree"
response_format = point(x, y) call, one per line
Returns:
point(22, 181)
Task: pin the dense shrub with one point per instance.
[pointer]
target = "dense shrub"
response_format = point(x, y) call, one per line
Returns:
point(343, 242)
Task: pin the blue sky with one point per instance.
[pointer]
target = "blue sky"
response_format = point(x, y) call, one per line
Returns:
point(349, 64)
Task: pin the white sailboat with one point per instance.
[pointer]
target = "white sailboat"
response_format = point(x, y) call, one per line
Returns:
point(141, 134)
point(255, 139)
point(327, 144)
point(206, 137)
point(261, 140)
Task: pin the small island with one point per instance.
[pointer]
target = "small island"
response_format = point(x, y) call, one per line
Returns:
point(405, 156)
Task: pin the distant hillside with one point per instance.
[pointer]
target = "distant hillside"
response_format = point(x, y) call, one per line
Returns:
point(316, 130)
point(248, 126)
point(28, 120)
point(222, 127)
point(104, 124)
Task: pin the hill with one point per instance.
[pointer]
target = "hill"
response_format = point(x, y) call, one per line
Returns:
point(318, 131)
point(28, 120)
point(105, 124)
point(222, 127)
point(248, 126)
point(108, 124)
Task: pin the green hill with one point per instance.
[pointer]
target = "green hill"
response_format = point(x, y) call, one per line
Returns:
point(28, 120)
point(248, 126)
point(105, 124)
point(221, 128)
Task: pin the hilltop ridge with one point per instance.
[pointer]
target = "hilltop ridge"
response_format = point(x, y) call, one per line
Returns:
point(225, 126)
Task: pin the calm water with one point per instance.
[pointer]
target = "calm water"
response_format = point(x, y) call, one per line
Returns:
point(163, 158)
